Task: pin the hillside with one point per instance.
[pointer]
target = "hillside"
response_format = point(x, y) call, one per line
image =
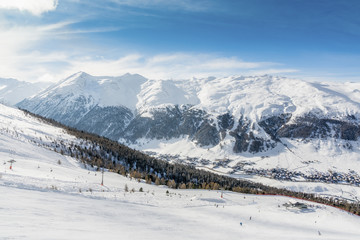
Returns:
point(47, 194)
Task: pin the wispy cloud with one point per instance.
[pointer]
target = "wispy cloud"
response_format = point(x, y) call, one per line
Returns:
point(42, 52)
point(22, 59)
point(92, 30)
point(272, 71)
point(50, 52)
point(186, 5)
point(55, 26)
point(166, 66)
point(35, 7)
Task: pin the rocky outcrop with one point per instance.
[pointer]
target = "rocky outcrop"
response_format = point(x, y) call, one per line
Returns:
point(173, 122)
point(246, 141)
point(272, 125)
point(310, 126)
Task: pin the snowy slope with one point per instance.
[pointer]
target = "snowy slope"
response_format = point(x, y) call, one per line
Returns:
point(261, 97)
point(255, 97)
point(78, 95)
point(105, 91)
point(48, 200)
point(13, 91)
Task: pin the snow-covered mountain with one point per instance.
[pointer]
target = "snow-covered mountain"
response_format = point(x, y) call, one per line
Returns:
point(49, 195)
point(261, 119)
point(13, 91)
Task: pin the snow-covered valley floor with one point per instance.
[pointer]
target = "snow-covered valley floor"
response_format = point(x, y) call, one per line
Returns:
point(47, 195)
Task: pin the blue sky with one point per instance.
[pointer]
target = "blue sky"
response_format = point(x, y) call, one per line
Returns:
point(46, 40)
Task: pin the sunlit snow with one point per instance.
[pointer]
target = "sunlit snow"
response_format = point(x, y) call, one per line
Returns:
point(50, 196)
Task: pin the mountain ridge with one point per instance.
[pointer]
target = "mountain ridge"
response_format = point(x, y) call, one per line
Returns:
point(241, 114)
point(12, 91)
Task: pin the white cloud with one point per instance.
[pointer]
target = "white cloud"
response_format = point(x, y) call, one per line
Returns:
point(19, 57)
point(35, 7)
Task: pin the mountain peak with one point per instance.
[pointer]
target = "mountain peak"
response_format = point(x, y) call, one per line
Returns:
point(79, 74)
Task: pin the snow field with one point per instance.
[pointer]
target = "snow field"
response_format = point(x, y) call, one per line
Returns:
point(108, 211)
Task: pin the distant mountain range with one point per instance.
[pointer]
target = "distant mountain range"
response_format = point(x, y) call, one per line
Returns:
point(13, 91)
point(229, 116)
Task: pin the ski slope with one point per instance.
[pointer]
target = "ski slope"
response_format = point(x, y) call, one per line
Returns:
point(47, 195)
